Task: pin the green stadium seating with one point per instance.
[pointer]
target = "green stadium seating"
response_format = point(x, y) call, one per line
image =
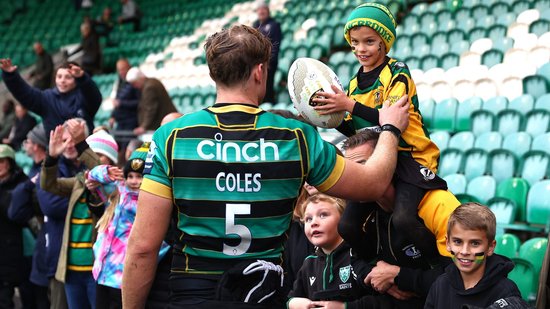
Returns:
point(482, 121)
point(504, 210)
point(456, 183)
point(474, 163)
point(539, 27)
point(509, 121)
point(427, 108)
point(518, 143)
point(488, 141)
point(534, 167)
point(482, 188)
point(538, 204)
point(536, 85)
point(492, 57)
point(464, 112)
point(507, 245)
point(515, 189)
point(495, 104)
point(537, 122)
point(445, 114)
point(499, 8)
point(462, 14)
point(496, 32)
point(462, 140)
point(502, 164)
point(503, 44)
point(506, 19)
point(542, 143)
point(533, 250)
point(520, 6)
point(439, 50)
point(522, 104)
point(543, 102)
point(450, 161)
point(440, 138)
point(449, 60)
point(525, 277)
point(479, 11)
point(429, 62)
point(456, 35)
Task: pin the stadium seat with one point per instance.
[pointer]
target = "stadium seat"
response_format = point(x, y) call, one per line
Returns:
point(543, 102)
point(507, 245)
point(482, 121)
point(515, 189)
point(536, 86)
point(509, 121)
point(419, 39)
point(511, 87)
point(440, 138)
point(482, 188)
point(427, 110)
point(450, 161)
point(539, 27)
point(538, 204)
point(463, 89)
point(441, 91)
point(464, 112)
point(525, 277)
point(503, 44)
point(456, 183)
point(444, 115)
point(520, 6)
point(498, 8)
point(525, 15)
point(479, 11)
point(534, 166)
point(542, 143)
point(474, 163)
point(439, 49)
point(459, 46)
point(481, 45)
point(544, 70)
point(537, 122)
point(518, 143)
point(522, 104)
point(429, 62)
point(502, 164)
point(486, 88)
point(462, 140)
point(495, 104)
point(449, 60)
point(533, 250)
point(491, 57)
point(526, 42)
point(506, 19)
point(488, 141)
point(504, 210)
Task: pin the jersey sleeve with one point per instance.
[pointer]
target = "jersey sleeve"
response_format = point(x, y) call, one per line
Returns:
point(155, 172)
point(400, 85)
point(325, 165)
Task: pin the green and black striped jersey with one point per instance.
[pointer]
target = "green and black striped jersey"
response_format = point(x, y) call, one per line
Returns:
point(233, 172)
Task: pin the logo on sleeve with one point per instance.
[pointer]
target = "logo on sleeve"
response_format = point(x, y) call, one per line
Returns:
point(149, 158)
point(311, 280)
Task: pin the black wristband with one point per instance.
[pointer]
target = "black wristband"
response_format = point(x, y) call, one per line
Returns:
point(50, 161)
point(393, 129)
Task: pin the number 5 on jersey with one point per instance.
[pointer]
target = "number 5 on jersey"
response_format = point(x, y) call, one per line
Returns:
point(231, 228)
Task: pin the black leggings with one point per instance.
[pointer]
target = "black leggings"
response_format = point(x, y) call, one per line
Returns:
point(108, 297)
point(406, 221)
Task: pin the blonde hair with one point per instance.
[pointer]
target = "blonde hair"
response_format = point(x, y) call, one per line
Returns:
point(338, 203)
point(109, 212)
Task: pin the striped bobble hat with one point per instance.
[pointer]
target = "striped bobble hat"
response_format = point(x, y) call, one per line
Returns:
point(136, 162)
point(375, 16)
point(103, 143)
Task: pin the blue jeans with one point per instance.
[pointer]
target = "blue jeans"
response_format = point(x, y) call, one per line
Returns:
point(80, 289)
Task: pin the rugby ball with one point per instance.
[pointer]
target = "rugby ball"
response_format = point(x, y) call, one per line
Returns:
point(307, 77)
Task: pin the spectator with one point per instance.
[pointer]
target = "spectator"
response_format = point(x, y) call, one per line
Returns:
point(130, 14)
point(89, 45)
point(154, 102)
point(8, 118)
point(104, 24)
point(271, 29)
point(125, 100)
point(74, 95)
point(270, 154)
point(24, 122)
point(43, 68)
point(11, 244)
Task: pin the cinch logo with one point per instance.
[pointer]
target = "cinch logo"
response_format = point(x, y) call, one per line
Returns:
point(249, 152)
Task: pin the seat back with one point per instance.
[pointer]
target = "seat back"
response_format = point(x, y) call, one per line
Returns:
point(538, 121)
point(456, 183)
point(502, 164)
point(444, 115)
point(464, 113)
point(495, 104)
point(482, 121)
point(488, 141)
point(440, 138)
point(507, 245)
point(523, 104)
point(542, 143)
point(450, 161)
point(515, 189)
point(474, 163)
point(482, 188)
point(533, 250)
point(538, 203)
point(509, 121)
point(534, 166)
point(525, 277)
point(518, 143)
point(462, 140)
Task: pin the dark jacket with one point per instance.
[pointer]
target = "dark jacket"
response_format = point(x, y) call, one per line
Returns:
point(331, 277)
point(154, 104)
point(11, 241)
point(126, 113)
point(54, 210)
point(297, 248)
point(20, 129)
point(91, 57)
point(272, 30)
point(448, 290)
point(55, 107)
point(381, 242)
point(43, 71)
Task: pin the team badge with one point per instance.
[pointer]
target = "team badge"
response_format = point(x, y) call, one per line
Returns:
point(344, 273)
point(412, 252)
point(149, 158)
point(377, 97)
point(311, 280)
point(427, 173)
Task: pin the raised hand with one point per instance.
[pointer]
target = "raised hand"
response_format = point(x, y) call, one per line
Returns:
point(115, 173)
point(333, 102)
point(76, 71)
point(77, 130)
point(57, 145)
point(7, 66)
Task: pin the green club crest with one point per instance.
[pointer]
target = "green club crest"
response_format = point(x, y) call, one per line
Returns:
point(344, 273)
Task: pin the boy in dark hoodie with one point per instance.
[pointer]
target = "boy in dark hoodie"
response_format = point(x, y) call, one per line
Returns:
point(478, 276)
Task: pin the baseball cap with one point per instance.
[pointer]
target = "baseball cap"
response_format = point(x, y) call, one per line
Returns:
point(6, 152)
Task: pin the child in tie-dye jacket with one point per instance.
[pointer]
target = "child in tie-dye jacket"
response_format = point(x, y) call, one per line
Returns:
point(120, 191)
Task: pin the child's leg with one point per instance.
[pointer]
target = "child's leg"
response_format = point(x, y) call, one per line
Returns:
point(351, 224)
point(405, 219)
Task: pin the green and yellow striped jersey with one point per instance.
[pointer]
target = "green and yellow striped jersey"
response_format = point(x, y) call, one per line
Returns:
point(390, 82)
point(233, 172)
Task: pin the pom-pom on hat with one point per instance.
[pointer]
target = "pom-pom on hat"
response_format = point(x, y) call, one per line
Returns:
point(103, 143)
point(136, 162)
point(375, 16)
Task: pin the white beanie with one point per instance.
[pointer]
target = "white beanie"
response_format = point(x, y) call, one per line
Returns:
point(103, 143)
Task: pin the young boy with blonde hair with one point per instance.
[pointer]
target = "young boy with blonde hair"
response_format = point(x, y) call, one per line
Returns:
point(478, 276)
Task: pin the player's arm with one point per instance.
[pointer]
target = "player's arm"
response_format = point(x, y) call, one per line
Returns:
point(148, 231)
point(369, 181)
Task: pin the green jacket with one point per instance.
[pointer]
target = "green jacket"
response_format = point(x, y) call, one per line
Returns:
point(73, 188)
